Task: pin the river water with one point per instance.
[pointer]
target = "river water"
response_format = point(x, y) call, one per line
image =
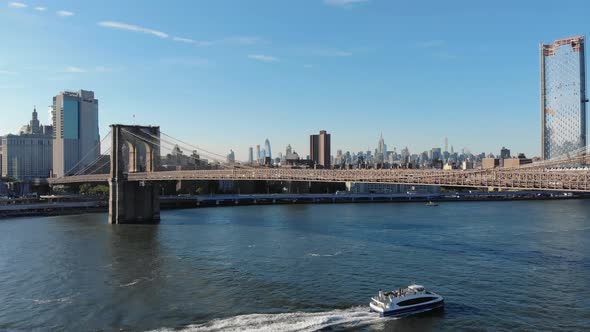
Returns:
point(499, 265)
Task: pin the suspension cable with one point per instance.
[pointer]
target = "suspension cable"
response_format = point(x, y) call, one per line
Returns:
point(88, 153)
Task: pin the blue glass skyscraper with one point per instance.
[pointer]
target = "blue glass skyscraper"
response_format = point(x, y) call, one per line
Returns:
point(563, 97)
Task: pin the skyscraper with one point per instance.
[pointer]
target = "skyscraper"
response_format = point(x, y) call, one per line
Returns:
point(250, 155)
point(504, 153)
point(258, 156)
point(75, 131)
point(231, 157)
point(563, 97)
point(34, 123)
point(435, 154)
point(268, 154)
point(381, 154)
point(288, 150)
point(319, 149)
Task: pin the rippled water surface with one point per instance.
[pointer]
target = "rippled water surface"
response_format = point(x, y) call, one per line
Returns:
point(499, 265)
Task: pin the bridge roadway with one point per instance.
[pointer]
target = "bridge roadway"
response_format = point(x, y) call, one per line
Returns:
point(521, 179)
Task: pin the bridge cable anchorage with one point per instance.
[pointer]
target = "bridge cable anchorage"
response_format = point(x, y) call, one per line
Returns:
point(174, 144)
point(98, 145)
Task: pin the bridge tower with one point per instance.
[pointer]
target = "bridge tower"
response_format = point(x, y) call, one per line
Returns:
point(134, 149)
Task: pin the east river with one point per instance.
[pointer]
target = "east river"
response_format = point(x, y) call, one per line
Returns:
point(500, 266)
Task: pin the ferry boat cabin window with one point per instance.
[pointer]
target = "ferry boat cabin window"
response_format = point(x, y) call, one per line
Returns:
point(415, 301)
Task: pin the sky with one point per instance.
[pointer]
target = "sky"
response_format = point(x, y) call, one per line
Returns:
point(227, 74)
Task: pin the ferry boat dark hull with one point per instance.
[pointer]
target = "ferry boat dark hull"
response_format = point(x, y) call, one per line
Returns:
point(412, 310)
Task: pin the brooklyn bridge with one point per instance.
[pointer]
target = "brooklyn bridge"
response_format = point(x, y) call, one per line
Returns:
point(133, 174)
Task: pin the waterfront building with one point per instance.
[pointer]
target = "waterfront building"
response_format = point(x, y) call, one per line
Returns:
point(563, 97)
point(517, 162)
point(449, 166)
point(467, 164)
point(319, 149)
point(490, 162)
point(76, 137)
point(28, 155)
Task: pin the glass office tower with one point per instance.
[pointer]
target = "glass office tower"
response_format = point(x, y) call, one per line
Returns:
point(563, 98)
point(75, 131)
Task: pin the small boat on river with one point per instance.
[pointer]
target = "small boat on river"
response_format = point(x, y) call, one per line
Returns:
point(406, 301)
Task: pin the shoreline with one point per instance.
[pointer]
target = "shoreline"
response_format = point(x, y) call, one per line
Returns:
point(194, 202)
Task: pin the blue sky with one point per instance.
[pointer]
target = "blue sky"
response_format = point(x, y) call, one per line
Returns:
point(229, 74)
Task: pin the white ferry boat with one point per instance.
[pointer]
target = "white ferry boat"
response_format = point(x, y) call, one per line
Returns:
point(405, 301)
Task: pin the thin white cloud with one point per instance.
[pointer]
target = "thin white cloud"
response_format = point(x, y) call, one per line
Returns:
point(343, 3)
point(431, 43)
point(7, 72)
point(134, 28)
point(183, 40)
point(64, 13)
point(263, 58)
point(17, 5)
point(40, 8)
point(75, 70)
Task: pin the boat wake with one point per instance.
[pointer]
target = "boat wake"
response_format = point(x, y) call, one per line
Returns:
point(324, 255)
point(296, 321)
point(135, 281)
point(67, 299)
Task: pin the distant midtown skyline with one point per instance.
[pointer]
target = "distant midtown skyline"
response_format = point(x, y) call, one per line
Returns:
point(303, 153)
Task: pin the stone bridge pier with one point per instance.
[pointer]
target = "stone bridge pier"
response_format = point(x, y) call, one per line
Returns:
point(134, 149)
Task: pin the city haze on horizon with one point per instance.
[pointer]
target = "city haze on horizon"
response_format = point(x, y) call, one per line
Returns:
point(415, 72)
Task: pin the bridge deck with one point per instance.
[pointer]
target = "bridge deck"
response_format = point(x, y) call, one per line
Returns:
point(522, 179)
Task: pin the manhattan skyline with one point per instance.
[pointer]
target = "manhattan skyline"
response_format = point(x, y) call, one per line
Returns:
point(229, 75)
